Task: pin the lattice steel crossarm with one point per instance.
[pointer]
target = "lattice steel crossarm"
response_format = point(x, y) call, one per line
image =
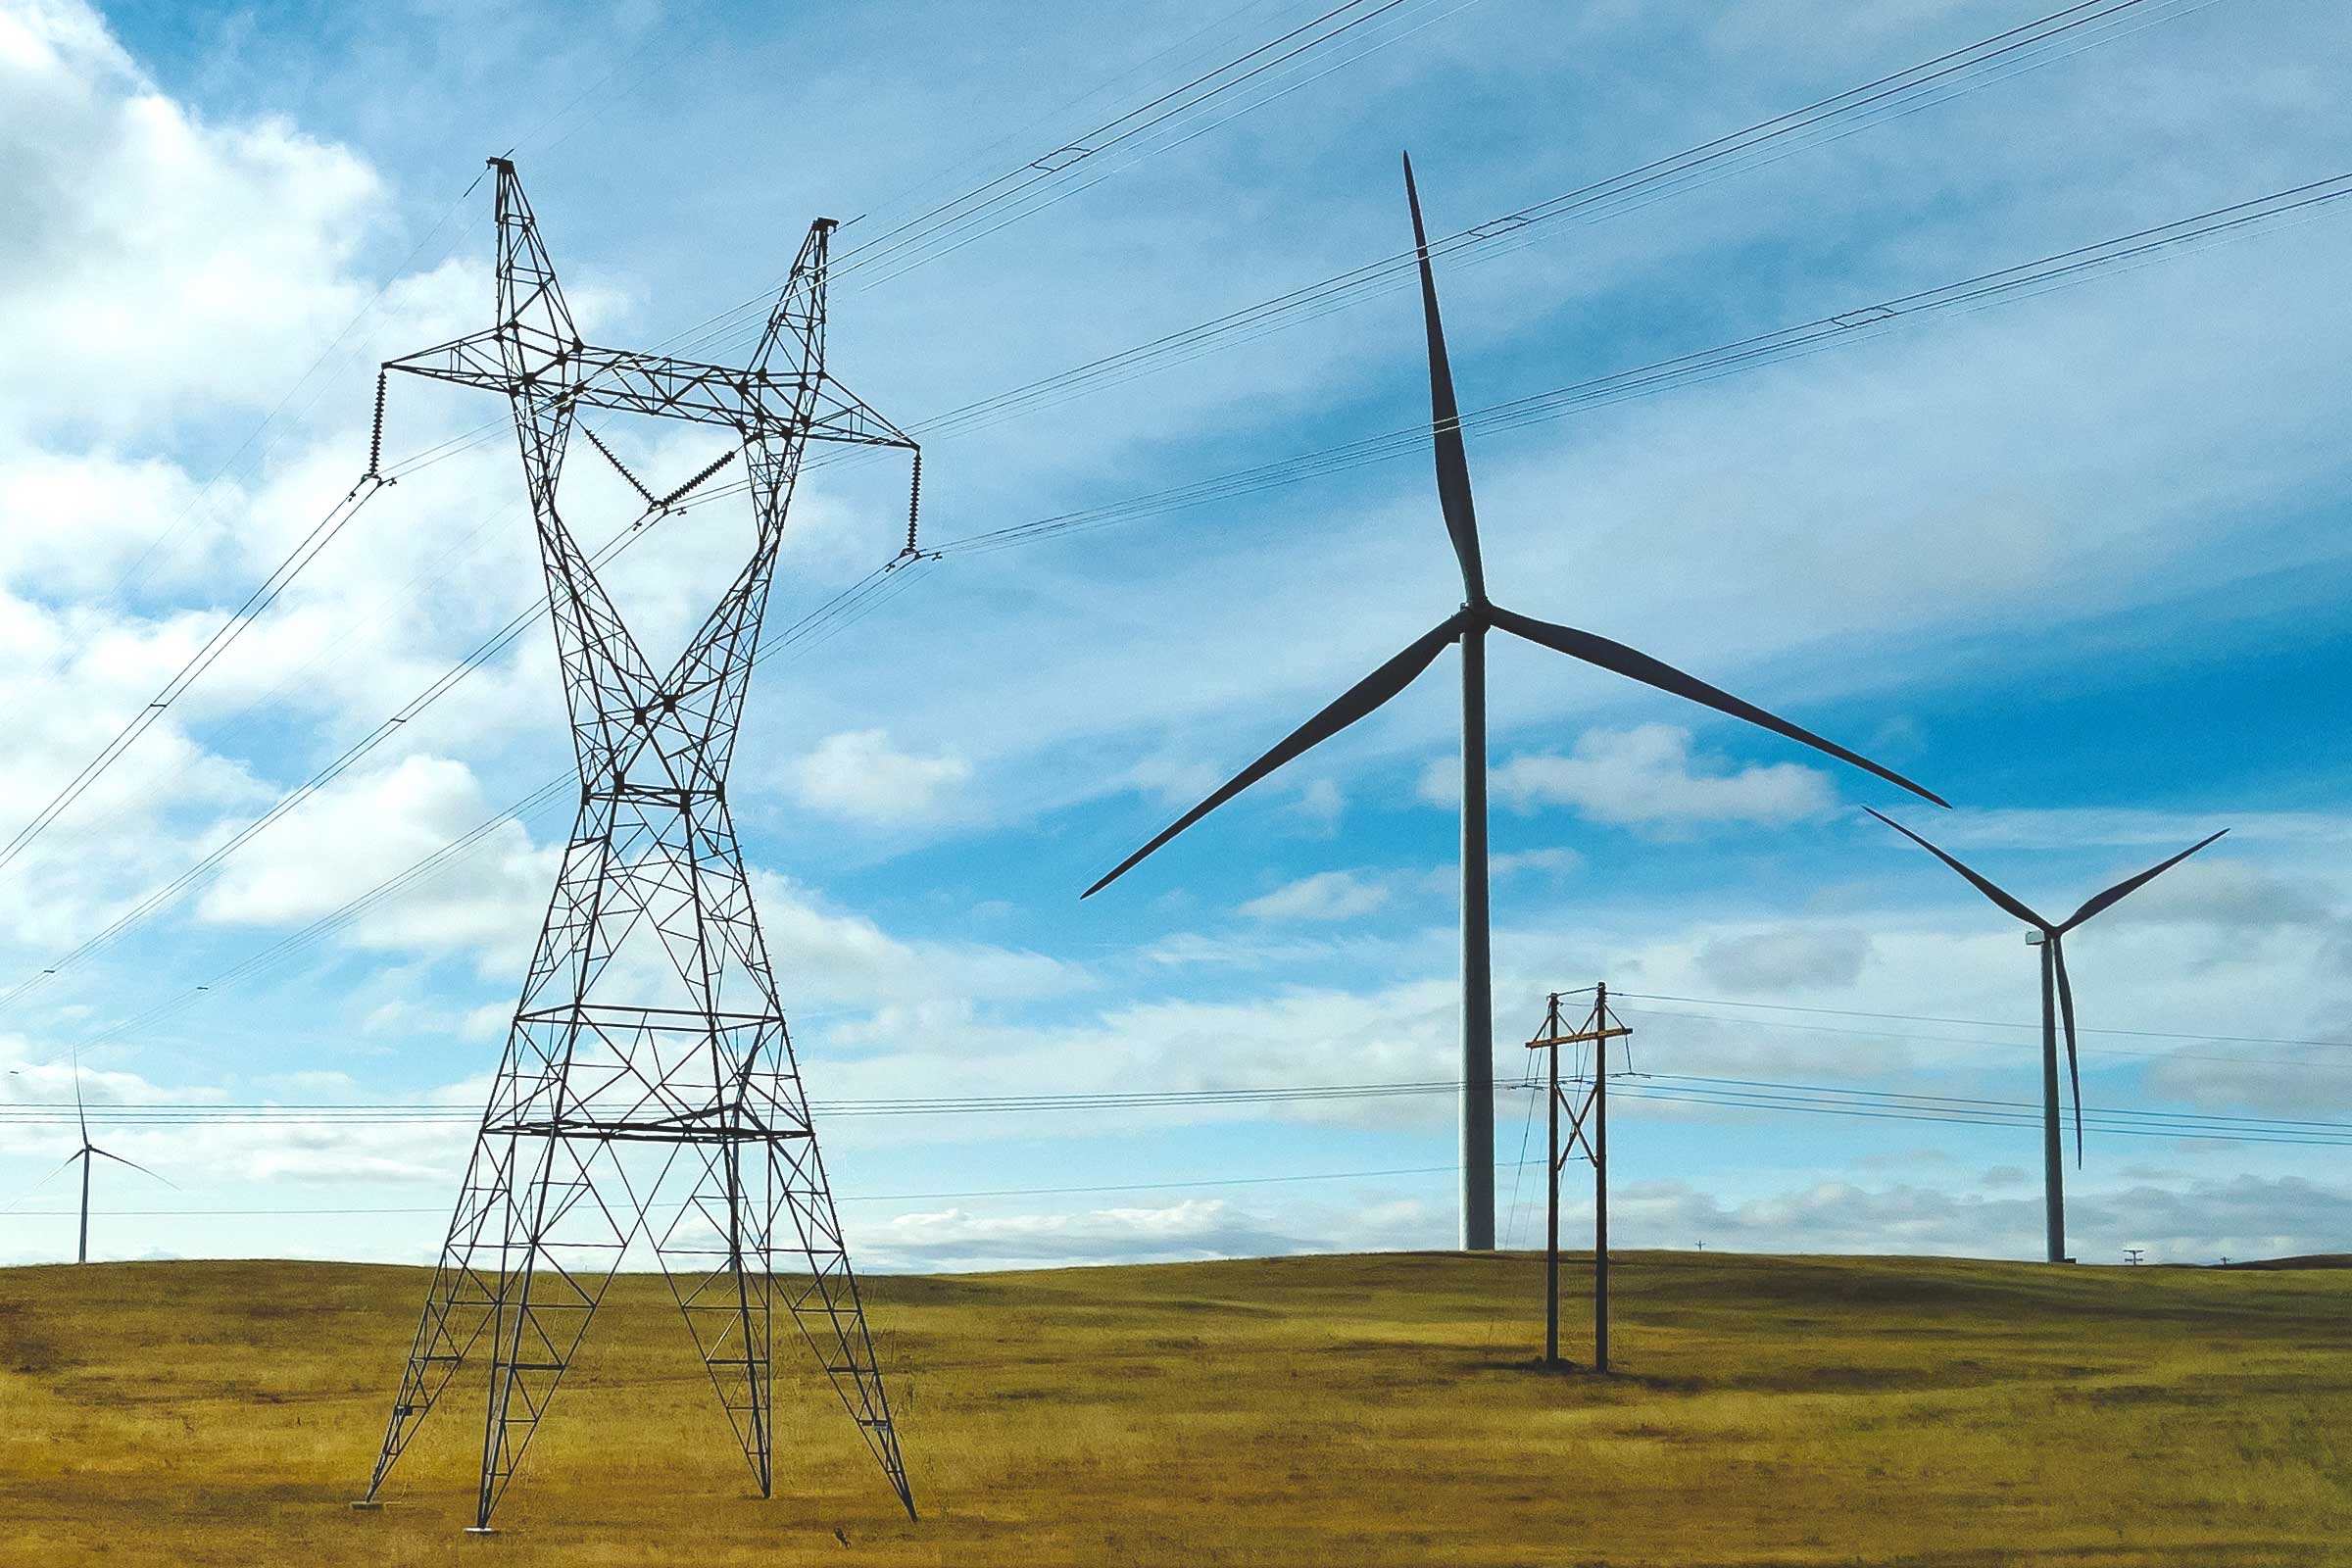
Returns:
point(649, 1043)
point(757, 404)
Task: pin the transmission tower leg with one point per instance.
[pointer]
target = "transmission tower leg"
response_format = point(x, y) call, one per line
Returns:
point(718, 1261)
point(458, 1306)
point(828, 1311)
point(564, 1242)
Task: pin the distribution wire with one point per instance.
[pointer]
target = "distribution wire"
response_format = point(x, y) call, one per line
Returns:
point(1992, 1023)
point(1959, 1040)
point(1737, 1093)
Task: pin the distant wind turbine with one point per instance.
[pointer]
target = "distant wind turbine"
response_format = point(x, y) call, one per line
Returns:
point(2057, 1005)
point(87, 1152)
point(1468, 626)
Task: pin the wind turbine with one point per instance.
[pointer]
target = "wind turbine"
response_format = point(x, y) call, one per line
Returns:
point(1468, 626)
point(85, 1154)
point(2057, 1005)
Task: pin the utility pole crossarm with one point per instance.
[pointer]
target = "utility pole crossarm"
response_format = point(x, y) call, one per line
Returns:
point(1584, 1038)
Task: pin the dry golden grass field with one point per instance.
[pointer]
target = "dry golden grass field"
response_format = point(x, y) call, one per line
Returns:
point(1350, 1410)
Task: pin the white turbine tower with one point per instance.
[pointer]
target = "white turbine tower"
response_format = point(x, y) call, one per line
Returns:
point(1468, 626)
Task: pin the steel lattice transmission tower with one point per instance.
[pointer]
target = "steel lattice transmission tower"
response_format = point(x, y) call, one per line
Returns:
point(647, 1089)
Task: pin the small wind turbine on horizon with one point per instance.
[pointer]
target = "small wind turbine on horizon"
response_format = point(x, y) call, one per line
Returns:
point(85, 1154)
point(2057, 1006)
point(1468, 626)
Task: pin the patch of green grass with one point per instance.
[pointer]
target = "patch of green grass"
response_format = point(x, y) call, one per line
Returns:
point(1350, 1410)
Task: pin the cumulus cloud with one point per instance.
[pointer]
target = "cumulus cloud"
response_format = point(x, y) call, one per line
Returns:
point(953, 1238)
point(1370, 1219)
point(2181, 1221)
point(1649, 777)
point(1535, 862)
point(1320, 801)
point(159, 265)
point(827, 954)
point(1784, 960)
point(1324, 896)
point(860, 777)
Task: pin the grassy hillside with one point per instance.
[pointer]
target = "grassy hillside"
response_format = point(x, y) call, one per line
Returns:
point(1354, 1410)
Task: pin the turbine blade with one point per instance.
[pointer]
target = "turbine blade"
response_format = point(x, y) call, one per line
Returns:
point(2130, 884)
point(1446, 420)
point(1358, 700)
point(135, 1165)
point(1634, 666)
point(77, 1115)
point(2066, 1016)
point(1980, 884)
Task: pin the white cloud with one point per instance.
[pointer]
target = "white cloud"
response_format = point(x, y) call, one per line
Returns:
point(1554, 862)
point(160, 266)
point(2190, 1221)
point(828, 955)
point(858, 775)
point(1321, 801)
point(953, 1238)
point(1324, 896)
point(1784, 960)
point(345, 839)
point(1648, 778)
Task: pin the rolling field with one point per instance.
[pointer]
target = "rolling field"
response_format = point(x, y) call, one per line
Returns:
point(1353, 1410)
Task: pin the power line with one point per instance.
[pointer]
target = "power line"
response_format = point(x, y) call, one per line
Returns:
point(923, 235)
point(1931, 82)
point(1144, 119)
point(1962, 1040)
point(2079, 26)
point(1737, 1091)
point(262, 596)
point(1298, 78)
point(825, 619)
point(2064, 269)
point(863, 1198)
point(2024, 1117)
point(2061, 270)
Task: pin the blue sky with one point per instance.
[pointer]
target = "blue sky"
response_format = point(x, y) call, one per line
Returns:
point(2073, 560)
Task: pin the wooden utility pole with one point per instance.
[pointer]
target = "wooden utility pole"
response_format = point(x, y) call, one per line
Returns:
point(1587, 1129)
